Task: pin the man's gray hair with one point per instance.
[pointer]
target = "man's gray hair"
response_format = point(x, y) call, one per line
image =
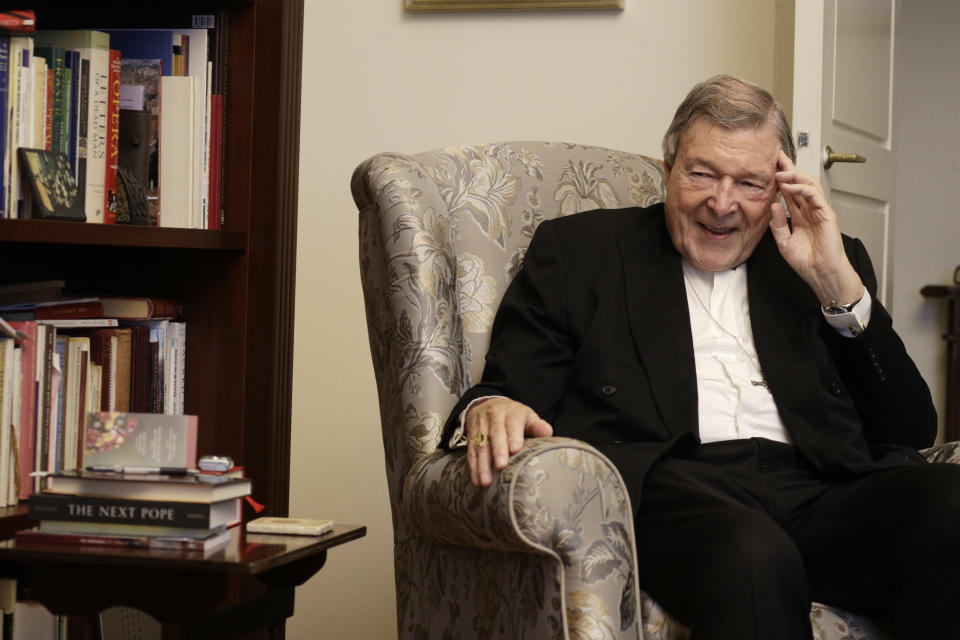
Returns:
point(729, 102)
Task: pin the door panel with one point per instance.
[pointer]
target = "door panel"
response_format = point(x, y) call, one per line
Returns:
point(867, 219)
point(864, 42)
point(843, 88)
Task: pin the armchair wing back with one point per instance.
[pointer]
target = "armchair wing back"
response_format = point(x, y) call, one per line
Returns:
point(442, 234)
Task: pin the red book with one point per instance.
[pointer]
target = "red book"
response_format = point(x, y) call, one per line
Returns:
point(113, 141)
point(216, 540)
point(28, 411)
point(120, 307)
point(18, 21)
point(80, 308)
point(215, 182)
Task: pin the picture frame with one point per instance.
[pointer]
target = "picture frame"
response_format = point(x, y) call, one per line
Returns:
point(509, 5)
point(50, 191)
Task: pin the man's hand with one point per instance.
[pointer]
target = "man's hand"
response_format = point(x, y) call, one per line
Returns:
point(505, 423)
point(815, 249)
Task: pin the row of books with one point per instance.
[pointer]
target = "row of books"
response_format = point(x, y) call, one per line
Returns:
point(54, 372)
point(130, 108)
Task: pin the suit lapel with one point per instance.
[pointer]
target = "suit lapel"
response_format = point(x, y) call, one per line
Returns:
point(660, 322)
point(780, 310)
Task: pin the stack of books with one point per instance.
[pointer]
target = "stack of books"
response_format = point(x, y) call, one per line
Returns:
point(187, 511)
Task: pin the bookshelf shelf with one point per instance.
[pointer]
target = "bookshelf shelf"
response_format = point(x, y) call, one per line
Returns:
point(77, 233)
point(235, 285)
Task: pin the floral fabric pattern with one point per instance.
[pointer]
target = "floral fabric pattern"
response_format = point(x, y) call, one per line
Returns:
point(548, 550)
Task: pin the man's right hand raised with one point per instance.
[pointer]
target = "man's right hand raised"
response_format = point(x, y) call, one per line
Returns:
point(505, 423)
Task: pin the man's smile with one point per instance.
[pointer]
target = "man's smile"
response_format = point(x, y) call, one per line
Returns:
point(717, 231)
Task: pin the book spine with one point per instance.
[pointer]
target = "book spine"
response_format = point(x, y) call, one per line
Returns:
point(55, 68)
point(97, 133)
point(73, 106)
point(48, 117)
point(162, 308)
point(18, 20)
point(72, 508)
point(4, 84)
point(7, 387)
point(89, 309)
point(113, 140)
point(28, 406)
point(17, 114)
point(55, 437)
point(216, 159)
point(43, 537)
point(46, 338)
point(83, 128)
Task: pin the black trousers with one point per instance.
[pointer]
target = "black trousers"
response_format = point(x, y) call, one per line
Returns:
point(735, 539)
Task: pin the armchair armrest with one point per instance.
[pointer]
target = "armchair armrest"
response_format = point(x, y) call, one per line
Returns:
point(557, 497)
point(947, 452)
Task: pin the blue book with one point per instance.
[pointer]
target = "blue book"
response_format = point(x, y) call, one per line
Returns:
point(4, 85)
point(145, 44)
point(57, 395)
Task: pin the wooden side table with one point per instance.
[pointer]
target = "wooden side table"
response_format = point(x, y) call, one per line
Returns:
point(952, 294)
point(248, 585)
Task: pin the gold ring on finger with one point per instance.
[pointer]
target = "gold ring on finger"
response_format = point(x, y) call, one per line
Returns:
point(480, 440)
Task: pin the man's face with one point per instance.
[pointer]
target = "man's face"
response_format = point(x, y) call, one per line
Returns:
point(719, 192)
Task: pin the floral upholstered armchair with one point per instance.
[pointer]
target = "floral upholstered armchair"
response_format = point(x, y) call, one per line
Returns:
point(547, 551)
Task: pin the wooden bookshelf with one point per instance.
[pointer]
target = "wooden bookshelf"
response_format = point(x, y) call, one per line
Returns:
point(236, 285)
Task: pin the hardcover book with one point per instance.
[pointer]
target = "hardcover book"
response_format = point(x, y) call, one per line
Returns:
point(18, 20)
point(4, 156)
point(119, 307)
point(28, 406)
point(50, 190)
point(194, 515)
point(216, 540)
point(137, 486)
point(123, 439)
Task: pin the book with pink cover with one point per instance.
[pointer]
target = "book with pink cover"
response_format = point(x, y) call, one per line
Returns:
point(119, 439)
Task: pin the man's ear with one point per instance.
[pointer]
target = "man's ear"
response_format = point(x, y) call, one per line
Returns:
point(667, 168)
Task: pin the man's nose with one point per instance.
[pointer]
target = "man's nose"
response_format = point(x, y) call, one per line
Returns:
point(724, 198)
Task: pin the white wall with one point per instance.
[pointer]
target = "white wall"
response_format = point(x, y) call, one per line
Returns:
point(378, 79)
point(926, 220)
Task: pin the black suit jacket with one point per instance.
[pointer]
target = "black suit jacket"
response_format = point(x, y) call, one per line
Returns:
point(594, 335)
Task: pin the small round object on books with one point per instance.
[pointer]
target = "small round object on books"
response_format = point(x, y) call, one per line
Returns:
point(215, 463)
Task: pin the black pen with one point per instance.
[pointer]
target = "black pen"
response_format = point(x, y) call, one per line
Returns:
point(167, 471)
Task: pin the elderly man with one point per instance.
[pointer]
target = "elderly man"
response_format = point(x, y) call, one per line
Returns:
point(725, 349)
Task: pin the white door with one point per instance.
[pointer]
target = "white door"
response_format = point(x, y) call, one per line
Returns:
point(843, 98)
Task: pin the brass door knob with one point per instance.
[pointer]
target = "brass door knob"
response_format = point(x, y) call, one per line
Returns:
point(829, 157)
